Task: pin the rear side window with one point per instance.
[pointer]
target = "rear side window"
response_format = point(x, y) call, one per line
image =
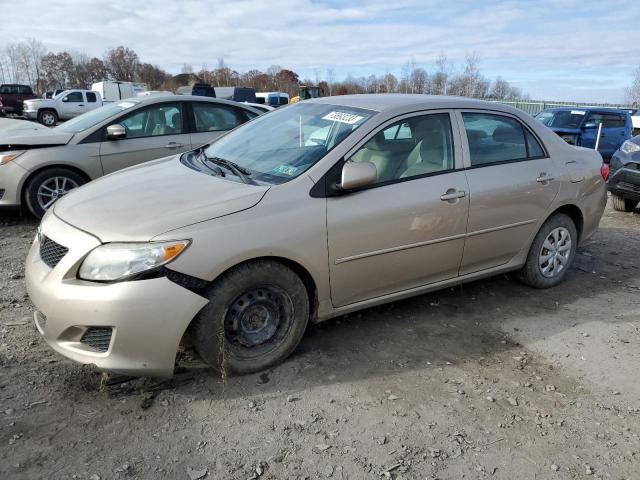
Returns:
point(5, 89)
point(25, 90)
point(91, 97)
point(608, 120)
point(210, 117)
point(496, 139)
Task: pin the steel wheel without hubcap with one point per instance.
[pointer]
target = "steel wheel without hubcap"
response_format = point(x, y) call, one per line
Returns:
point(555, 251)
point(255, 322)
point(52, 189)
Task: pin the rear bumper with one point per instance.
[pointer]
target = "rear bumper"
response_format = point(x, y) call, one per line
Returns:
point(146, 319)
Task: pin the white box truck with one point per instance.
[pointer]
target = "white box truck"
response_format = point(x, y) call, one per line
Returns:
point(113, 90)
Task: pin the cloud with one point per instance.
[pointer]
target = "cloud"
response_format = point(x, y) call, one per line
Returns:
point(521, 40)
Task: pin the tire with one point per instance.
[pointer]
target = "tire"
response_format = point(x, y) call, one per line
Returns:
point(622, 205)
point(41, 191)
point(533, 273)
point(256, 316)
point(48, 118)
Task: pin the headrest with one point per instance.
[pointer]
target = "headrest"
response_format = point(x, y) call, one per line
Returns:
point(507, 135)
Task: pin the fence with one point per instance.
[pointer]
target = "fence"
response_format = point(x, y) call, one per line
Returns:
point(532, 107)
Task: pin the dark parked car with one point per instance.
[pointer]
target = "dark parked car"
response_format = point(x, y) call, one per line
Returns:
point(197, 89)
point(579, 126)
point(12, 96)
point(237, 94)
point(624, 176)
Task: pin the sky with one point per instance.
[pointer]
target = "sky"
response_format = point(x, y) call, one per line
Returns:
point(552, 49)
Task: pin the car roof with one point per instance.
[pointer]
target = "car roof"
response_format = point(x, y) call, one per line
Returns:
point(181, 98)
point(587, 109)
point(381, 102)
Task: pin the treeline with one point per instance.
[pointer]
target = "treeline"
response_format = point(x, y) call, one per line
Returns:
point(29, 62)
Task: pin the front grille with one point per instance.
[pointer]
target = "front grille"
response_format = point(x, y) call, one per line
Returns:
point(97, 338)
point(51, 252)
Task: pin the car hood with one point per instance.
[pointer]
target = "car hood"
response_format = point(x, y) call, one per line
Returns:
point(24, 133)
point(144, 201)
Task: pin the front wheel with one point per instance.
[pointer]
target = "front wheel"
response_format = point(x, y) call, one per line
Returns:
point(44, 189)
point(551, 253)
point(622, 205)
point(48, 118)
point(256, 316)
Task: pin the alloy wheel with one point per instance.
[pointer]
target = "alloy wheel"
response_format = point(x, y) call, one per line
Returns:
point(52, 189)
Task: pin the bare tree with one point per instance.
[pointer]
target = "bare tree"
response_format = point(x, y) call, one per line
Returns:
point(632, 92)
point(390, 83)
point(122, 63)
point(331, 77)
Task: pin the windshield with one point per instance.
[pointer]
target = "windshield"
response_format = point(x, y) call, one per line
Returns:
point(278, 147)
point(94, 117)
point(562, 118)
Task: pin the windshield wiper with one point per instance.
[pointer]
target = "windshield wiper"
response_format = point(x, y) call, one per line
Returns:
point(237, 170)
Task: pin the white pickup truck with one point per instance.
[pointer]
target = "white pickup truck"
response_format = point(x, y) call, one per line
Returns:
point(635, 118)
point(63, 106)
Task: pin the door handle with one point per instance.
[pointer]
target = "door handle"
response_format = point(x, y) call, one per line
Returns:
point(452, 194)
point(174, 145)
point(81, 105)
point(543, 178)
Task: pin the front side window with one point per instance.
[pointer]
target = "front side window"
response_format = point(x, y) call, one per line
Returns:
point(163, 119)
point(25, 90)
point(427, 148)
point(214, 118)
point(278, 147)
point(74, 97)
point(562, 118)
point(494, 138)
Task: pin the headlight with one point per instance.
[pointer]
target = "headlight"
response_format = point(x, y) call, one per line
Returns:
point(116, 261)
point(6, 157)
point(630, 147)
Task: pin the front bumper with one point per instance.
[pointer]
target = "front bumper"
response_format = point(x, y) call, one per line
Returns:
point(624, 180)
point(12, 177)
point(147, 318)
point(30, 114)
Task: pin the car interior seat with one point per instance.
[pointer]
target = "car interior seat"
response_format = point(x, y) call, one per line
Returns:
point(432, 151)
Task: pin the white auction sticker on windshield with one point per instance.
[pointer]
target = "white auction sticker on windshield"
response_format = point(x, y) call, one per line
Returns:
point(578, 112)
point(343, 117)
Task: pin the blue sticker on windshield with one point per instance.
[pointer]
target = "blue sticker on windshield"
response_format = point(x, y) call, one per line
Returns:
point(287, 170)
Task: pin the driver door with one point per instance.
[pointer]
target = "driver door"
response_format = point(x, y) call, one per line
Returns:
point(153, 132)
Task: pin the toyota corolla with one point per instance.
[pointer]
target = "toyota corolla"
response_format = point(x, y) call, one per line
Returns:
point(322, 208)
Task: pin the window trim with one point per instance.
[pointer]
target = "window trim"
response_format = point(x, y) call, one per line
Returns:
point(324, 187)
point(118, 120)
point(523, 125)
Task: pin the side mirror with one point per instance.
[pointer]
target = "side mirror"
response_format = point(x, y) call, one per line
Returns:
point(65, 99)
point(358, 174)
point(116, 132)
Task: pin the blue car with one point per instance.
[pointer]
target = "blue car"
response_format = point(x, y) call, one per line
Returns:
point(579, 126)
point(624, 176)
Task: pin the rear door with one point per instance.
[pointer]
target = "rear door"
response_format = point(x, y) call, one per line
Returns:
point(512, 183)
point(154, 131)
point(407, 230)
point(614, 131)
point(210, 120)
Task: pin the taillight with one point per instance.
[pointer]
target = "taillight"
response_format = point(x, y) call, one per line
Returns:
point(604, 171)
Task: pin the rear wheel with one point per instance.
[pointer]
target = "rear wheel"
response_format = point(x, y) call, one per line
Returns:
point(622, 205)
point(256, 316)
point(48, 118)
point(551, 253)
point(46, 187)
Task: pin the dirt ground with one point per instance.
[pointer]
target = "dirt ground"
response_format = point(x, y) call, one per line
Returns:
point(489, 380)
